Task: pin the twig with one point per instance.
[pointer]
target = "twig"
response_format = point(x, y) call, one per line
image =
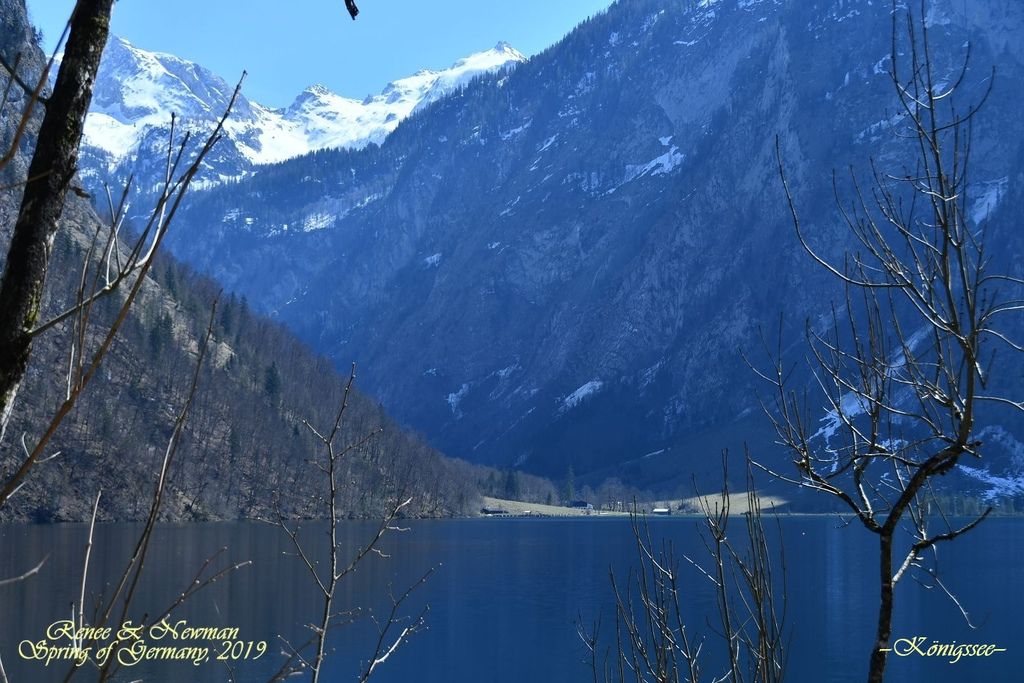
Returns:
point(28, 574)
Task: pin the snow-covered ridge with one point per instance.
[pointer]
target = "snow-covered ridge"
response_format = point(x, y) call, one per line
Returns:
point(137, 91)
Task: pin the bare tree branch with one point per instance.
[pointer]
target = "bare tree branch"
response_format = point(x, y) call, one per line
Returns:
point(902, 380)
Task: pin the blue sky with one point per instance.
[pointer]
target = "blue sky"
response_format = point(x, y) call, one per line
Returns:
point(287, 46)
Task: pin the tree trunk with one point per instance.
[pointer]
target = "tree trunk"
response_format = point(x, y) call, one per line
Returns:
point(879, 653)
point(50, 173)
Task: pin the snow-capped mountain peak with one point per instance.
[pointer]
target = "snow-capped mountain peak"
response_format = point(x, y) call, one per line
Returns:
point(135, 84)
point(315, 91)
point(466, 69)
point(138, 90)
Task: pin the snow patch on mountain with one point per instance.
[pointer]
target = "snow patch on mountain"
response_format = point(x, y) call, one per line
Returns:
point(112, 136)
point(853, 404)
point(659, 165)
point(510, 206)
point(454, 398)
point(1009, 483)
point(317, 221)
point(650, 21)
point(585, 391)
point(547, 143)
point(997, 486)
point(991, 193)
point(513, 132)
point(850, 406)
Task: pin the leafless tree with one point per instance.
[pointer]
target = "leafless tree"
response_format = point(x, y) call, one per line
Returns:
point(904, 367)
point(49, 178)
point(116, 605)
point(108, 266)
point(653, 640)
point(338, 568)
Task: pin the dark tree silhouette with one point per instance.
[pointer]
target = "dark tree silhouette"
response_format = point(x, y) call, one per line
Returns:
point(49, 178)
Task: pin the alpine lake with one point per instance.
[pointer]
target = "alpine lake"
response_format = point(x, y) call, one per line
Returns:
point(506, 599)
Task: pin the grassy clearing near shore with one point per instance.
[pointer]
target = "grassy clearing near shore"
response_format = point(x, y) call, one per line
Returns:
point(515, 507)
point(737, 506)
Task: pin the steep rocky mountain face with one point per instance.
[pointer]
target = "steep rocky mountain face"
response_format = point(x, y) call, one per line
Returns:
point(244, 451)
point(561, 266)
point(138, 91)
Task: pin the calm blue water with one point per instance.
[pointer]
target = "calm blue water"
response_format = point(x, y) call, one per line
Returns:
point(507, 595)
